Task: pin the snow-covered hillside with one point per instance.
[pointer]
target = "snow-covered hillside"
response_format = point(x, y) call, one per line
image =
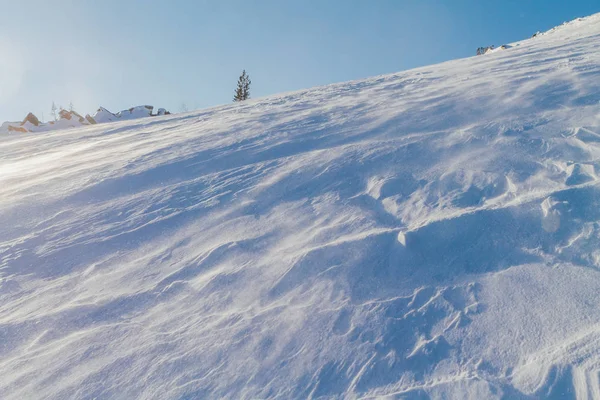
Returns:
point(429, 234)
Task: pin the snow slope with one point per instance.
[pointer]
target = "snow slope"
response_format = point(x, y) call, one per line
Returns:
point(428, 234)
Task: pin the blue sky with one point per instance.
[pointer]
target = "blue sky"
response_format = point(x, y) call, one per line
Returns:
point(118, 53)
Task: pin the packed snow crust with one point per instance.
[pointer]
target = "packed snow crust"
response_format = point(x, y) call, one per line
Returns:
point(428, 234)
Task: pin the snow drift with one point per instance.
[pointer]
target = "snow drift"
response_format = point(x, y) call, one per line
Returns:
point(428, 234)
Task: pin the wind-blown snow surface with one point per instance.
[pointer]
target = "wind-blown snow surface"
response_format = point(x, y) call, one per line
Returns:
point(429, 234)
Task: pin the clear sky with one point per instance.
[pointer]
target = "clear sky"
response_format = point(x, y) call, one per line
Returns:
point(120, 53)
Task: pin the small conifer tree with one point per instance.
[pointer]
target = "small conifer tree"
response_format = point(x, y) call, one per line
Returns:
point(242, 92)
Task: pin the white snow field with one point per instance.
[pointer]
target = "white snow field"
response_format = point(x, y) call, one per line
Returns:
point(428, 234)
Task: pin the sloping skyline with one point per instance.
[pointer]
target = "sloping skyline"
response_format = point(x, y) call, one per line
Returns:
point(120, 55)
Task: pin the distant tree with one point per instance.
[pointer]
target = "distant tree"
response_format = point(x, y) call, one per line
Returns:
point(242, 92)
point(183, 108)
point(247, 83)
point(53, 112)
point(71, 106)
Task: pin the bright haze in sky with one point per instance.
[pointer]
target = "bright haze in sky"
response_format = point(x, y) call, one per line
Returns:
point(119, 54)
